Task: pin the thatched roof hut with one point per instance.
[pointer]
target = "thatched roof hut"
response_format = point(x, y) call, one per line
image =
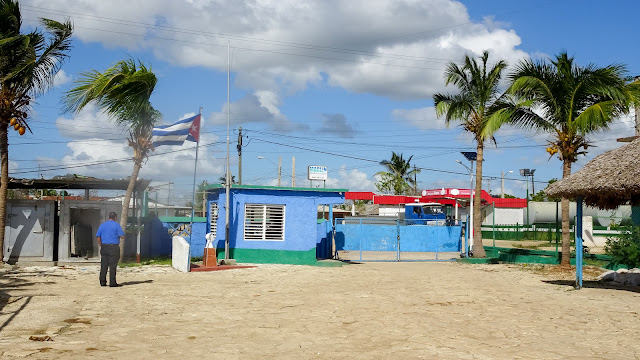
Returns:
point(609, 180)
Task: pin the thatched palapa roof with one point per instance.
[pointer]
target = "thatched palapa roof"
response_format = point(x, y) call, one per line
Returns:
point(609, 180)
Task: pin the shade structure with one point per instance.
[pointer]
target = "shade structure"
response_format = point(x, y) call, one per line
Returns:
point(609, 180)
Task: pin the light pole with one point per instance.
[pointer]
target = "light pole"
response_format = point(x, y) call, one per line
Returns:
point(471, 156)
point(279, 166)
point(525, 173)
point(502, 183)
point(155, 189)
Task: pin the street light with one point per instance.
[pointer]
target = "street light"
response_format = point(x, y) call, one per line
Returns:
point(279, 166)
point(471, 156)
point(502, 183)
point(525, 173)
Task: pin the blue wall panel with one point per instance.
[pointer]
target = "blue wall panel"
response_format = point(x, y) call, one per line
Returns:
point(323, 240)
point(198, 240)
point(430, 238)
point(418, 238)
point(366, 237)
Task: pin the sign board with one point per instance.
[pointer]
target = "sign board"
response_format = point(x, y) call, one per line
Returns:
point(431, 192)
point(317, 172)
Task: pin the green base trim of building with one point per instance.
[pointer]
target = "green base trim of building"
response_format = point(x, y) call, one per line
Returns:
point(262, 256)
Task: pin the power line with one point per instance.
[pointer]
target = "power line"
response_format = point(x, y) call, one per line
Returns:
point(103, 162)
point(253, 49)
point(249, 39)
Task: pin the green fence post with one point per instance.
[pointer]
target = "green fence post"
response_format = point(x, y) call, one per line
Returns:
point(494, 227)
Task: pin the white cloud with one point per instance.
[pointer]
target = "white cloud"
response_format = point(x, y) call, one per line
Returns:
point(61, 78)
point(423, 118)
point(103, 153)
point(354, 180)
point(89, 123)
point(261, 107)
point(391, 48)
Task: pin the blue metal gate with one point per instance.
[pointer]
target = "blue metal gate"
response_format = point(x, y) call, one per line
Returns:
point(380, 239)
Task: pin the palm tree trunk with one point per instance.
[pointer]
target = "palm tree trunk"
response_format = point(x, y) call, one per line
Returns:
point(127, 199)
point(478, 248)
point(566, 236)
point(4, 183)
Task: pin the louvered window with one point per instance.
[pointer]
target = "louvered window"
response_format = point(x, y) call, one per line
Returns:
point(213, 212)
point(264, 222)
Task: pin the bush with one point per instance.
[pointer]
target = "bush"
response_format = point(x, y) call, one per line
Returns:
point(625, 248)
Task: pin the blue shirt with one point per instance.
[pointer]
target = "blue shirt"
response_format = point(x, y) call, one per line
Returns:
point(109, 232)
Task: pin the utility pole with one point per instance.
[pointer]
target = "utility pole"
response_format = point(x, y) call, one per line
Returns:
point(293, 171)
point(415, 180)
point(239, 146)
point(279, 169)
point(533, 185)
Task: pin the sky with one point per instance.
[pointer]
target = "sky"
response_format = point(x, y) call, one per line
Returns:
point(329, 82)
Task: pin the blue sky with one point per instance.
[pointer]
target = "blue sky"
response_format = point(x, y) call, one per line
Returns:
point(335, 83)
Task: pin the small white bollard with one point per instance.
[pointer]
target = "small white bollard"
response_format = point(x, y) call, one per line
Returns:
point(180, 254)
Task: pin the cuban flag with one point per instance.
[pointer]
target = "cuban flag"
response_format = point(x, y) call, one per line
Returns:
point(178, 133)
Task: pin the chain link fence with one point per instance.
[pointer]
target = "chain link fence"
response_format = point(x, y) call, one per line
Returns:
point(539, 226)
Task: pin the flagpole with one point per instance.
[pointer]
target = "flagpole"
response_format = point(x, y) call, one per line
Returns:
point(193, 195)
point(227, 185)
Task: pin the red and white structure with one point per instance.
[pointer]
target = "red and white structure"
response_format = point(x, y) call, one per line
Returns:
point(508, 211)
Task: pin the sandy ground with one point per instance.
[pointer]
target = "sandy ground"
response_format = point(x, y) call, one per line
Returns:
point(358, 311)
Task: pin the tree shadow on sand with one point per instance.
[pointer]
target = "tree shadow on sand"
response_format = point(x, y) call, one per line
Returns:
point(11, 285)
point(595, 285)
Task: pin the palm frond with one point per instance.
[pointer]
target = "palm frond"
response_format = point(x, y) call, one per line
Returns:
point(596, 117)
point(122, 91)
point(52, 55)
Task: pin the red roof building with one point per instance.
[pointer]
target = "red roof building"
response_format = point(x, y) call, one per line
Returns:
point(445, 196)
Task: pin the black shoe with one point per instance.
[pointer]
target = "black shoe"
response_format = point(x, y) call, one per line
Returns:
point(101, 284)
point(115, 285)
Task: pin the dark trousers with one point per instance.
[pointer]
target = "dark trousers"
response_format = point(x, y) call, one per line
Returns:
point(110, 254)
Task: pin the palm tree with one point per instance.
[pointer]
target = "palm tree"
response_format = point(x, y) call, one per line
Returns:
point(28, 65)
point(123, 91)
point(399, 176)
point(568, 102)
point(477, 101)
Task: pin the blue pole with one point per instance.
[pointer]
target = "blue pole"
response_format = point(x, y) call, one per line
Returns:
point(330, 222)
point(466, 238)
point(397, 239)
point(579, 243)
point(437, 238)
point(360, 236)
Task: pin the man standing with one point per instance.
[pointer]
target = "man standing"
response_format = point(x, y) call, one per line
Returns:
point(109, 234)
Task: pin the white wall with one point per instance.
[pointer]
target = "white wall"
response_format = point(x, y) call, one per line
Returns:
point(504, 216)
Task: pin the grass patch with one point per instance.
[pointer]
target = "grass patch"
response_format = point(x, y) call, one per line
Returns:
point(153, 261)
point(539, 246)
point(595, 262)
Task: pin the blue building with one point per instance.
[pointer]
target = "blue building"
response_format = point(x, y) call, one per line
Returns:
point(270, 224)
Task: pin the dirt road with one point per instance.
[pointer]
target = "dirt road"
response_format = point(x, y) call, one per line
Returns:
point(360, 311)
